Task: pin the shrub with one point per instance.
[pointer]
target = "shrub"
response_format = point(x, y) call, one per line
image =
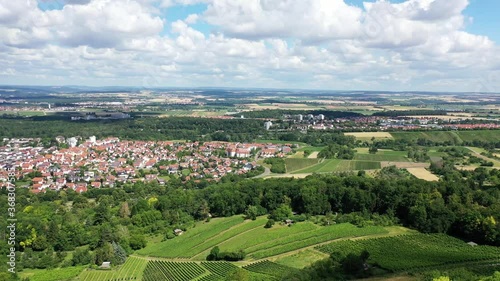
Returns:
point(269, 223)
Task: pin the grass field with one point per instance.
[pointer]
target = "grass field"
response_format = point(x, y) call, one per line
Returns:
point(301, 259)
point(58, 274)
point(294, 164)
point(131, 270)
point(233, 234)
point(311, 148)
point(423, 173)
point(408, 252)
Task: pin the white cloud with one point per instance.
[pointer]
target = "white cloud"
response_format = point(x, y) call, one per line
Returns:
point(255, 43)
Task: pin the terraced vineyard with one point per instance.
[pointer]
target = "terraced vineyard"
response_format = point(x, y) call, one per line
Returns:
point(172, 271)
point(408, 252)
point(131, 270)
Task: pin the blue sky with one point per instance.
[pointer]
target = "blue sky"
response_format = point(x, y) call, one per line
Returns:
point(441, 45)
point(486, 20)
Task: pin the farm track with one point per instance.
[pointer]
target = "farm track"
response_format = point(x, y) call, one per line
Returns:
point(478, 155)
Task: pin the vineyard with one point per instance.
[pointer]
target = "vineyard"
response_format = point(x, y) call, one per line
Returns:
point(172, 271)
point(234, 234)
point(269, 268)
point(131, 270)
point(408, 252)
point(305, 239)
point(219, 268)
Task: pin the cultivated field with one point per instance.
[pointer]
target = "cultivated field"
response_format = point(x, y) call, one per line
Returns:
point(234, 234)
point(404, 165)
point(423, 173)
point(381, 157)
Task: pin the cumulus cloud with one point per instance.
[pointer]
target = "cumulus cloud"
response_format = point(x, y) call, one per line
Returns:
point(313, 20)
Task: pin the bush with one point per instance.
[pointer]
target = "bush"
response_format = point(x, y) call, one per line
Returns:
point(217, 255)
point(269, 223)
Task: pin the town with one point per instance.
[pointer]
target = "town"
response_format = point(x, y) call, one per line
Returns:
point(110, 162)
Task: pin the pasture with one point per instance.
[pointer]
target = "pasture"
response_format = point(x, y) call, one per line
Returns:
point(414, 251)
point(234, 234)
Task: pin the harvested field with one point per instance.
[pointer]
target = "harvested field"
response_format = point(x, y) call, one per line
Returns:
point(423, 173)
point(313, 155)
point(369, 135)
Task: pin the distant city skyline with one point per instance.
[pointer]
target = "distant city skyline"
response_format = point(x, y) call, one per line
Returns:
point(413, 45)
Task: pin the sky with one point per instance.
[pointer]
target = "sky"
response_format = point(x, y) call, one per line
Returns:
point(393, 45)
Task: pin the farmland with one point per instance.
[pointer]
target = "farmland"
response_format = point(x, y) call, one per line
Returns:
point(414, 251)
point(233, 234)
point(456, 137)
point(337, 165)
point(381, 157)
